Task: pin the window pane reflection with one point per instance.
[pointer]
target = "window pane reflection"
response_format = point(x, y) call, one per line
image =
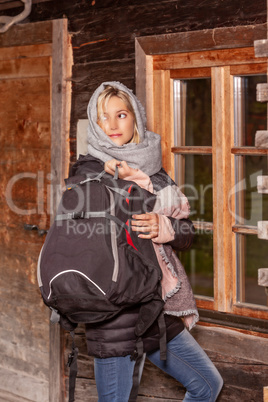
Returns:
point(252, 256)
point(250, 115)
point(198, 263)
point(251, 206)
point(197, 179)
point(192, 105)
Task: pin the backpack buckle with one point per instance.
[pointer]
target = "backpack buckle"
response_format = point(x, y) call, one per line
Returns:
point(70, 359)
point(78, 215)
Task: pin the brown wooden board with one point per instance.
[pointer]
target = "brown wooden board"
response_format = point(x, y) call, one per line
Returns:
point(244, 370)
point(104, 32)
point(25, 155)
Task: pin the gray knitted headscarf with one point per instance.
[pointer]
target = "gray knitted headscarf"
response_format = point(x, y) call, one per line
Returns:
point(145, 156)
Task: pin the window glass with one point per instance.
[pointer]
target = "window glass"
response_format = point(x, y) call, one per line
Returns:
point(198, 263)
point(197, 185)
point(250, 115)
point(193, 173)
point(193, 112)
point(251, 206)
point(252, 255)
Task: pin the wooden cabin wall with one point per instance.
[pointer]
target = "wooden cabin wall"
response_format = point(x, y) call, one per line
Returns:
point(104, 31)
point(103, 40)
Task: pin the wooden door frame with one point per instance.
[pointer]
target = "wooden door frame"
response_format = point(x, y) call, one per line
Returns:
point(53, 32)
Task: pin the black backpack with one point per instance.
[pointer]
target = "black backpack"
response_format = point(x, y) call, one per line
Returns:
point(92, 266)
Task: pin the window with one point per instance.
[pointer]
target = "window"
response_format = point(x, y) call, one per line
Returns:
point(250, 207)
point(203, 103)
point(193, 174)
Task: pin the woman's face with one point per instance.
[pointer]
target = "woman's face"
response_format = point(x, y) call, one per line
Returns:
point(117, 121)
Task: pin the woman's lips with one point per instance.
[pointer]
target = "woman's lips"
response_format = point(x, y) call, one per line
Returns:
point(115, 135)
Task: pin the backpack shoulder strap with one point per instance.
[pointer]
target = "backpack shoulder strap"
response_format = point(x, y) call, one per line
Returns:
point(72, 363)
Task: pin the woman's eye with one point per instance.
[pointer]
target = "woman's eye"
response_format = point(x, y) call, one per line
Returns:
point(122, 115)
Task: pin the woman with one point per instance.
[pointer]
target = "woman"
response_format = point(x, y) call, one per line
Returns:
point(117, 136)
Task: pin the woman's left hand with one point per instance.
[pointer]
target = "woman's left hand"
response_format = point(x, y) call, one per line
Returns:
point(147, 223)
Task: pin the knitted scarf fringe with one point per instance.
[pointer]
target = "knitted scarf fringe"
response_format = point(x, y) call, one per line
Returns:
point(183, 313)
point(165, 258)
point(173, 291)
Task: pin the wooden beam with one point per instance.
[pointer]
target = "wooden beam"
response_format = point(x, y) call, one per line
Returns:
point(27, 34)
point(263, 230)
point(261, 139)
point(248, 151)
point(222, 219)
point(211, 58)
point(60, 115)
point(245, 229)
point(202, 150)
point(25, 68)
point(140, 61)
point(262, 184)
point(207, 39)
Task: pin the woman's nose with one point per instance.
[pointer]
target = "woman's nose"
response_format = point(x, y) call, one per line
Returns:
point(113, 124)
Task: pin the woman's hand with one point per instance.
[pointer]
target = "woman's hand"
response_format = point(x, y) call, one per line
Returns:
point(147, 223)
point(123, 169)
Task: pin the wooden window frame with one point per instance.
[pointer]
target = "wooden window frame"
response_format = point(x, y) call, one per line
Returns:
point(219, 53)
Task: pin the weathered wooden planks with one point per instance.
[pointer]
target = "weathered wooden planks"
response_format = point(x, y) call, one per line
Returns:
point(105, 50)
point(41, 50)
point(25, 136)
point(25, 147)
point(103, 36)
point(244, 370)
point(33, 67)
point(22, 35)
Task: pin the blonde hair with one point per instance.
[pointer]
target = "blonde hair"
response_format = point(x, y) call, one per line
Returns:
point(103, 100)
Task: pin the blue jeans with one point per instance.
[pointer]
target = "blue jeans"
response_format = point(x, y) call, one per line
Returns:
point(186, 362)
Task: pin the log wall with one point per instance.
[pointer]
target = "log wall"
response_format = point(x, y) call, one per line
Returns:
point(104, 31)
point(103, 41)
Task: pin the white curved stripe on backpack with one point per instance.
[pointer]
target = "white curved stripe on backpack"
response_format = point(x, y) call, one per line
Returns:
point(78, 272)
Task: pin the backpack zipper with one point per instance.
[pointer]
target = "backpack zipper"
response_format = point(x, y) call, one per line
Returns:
point(78, 272)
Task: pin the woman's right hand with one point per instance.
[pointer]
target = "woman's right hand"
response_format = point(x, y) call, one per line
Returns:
point(123, 169)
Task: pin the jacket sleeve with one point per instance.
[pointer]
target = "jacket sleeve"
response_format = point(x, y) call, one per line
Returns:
point(173, 209)
point(184, 233)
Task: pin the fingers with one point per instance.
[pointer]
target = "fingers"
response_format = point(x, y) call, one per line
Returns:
point(110, 166)
point(124, 169)
point(147, 224)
